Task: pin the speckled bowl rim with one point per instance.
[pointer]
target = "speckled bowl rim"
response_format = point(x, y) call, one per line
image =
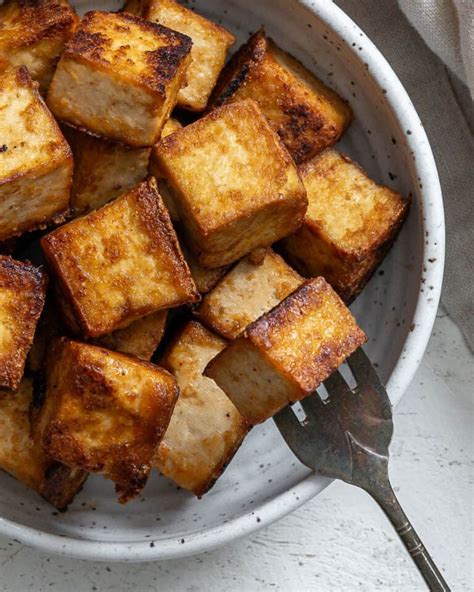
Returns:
point(425, 313)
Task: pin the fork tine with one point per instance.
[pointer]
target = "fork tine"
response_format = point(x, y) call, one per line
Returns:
point(289, 426)
point(312, 405)
point(362, 369)
point(336, 385)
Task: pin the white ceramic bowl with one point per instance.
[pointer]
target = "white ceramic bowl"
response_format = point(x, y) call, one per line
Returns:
point(397, 310)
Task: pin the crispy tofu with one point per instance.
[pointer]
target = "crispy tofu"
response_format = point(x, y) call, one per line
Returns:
point(350, 224)
point(306, 114)
point(33, 34)
point(35, 159)
point(205, 429)
point(286, 354)
point(119, 77)
point(235, 186)
point(140, 338)
point(208, 53)
point(22, 458)
point(103, 169)
point(247, 292)
point(120, 263)
point(22, 297)
point(104, 412)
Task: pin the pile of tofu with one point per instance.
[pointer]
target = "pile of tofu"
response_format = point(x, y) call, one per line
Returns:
point(197, 239)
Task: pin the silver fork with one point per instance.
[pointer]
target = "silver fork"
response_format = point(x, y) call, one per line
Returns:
point(346, 436)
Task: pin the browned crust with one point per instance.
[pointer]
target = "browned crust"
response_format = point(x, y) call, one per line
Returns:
point(40, 19)
point(301, 125)
point(173, 143)
point(234, 74)
point(64, 296)
point(309, 295)
point(88, 45)
point(403, 203)
point(83, 380)
point(155, 219)
point(61, 484)
point(352, 283)
point(30, 284)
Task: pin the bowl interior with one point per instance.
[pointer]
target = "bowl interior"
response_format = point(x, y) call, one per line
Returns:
point(264, 469)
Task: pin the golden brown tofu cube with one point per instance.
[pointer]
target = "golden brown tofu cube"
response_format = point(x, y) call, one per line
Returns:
point(22, 296)
point(350, 224)
point(235, 186)
point(35, 159)
point(205, 429)
point(247, 292)
point(22, 458)
point(119, 77)
point(306, 114)
point(104, 412)
point(103, 169)
point(208, 53)
point(33, 34)
point(140, 338)
point(286, 354)
point(120, 263)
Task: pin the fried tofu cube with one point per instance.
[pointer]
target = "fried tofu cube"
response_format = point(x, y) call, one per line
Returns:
point(120, 263)
point(22, 297)
point(22, 458)
point(35, 159)
point(307, 115)
point(235, 186)
point(103, 169)
point(208, 53)
point(205, 429)
point(119, 77)
point(33, 34)
point(350, 224)
point(247, 292)
point(104, 412)
point(140, 338)
point(286, 354)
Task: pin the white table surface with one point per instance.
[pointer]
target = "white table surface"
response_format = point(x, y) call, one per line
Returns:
point(340, 540)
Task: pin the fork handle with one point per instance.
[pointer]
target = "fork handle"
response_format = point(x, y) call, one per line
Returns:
point(389, 503)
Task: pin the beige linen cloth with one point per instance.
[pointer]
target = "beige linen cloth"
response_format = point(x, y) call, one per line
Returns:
point(430, 45)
